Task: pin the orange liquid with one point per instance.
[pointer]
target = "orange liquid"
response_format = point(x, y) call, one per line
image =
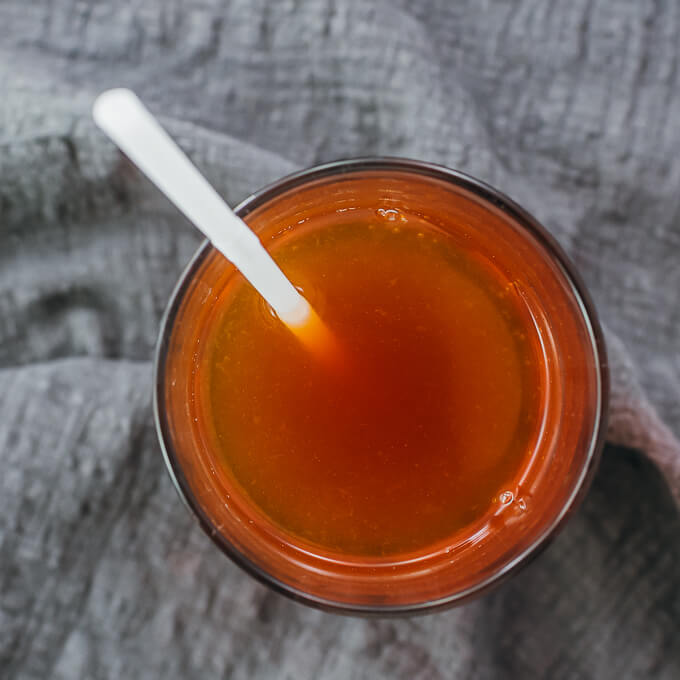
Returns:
point(411, 434)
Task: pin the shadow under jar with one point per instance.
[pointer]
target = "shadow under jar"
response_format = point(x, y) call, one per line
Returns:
point(446, 443)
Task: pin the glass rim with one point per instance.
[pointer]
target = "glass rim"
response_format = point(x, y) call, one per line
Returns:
point(526, 221)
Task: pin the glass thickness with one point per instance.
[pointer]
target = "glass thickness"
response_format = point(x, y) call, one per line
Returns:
point(568, 376)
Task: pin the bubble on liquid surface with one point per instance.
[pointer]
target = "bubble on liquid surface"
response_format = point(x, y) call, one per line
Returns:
point(390, 215)
point(506, 497)
point(512, 502)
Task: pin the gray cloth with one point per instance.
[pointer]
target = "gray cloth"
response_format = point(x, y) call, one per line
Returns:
point(572, 108)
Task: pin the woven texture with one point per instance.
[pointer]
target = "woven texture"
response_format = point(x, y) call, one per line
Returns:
point(571, 108)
